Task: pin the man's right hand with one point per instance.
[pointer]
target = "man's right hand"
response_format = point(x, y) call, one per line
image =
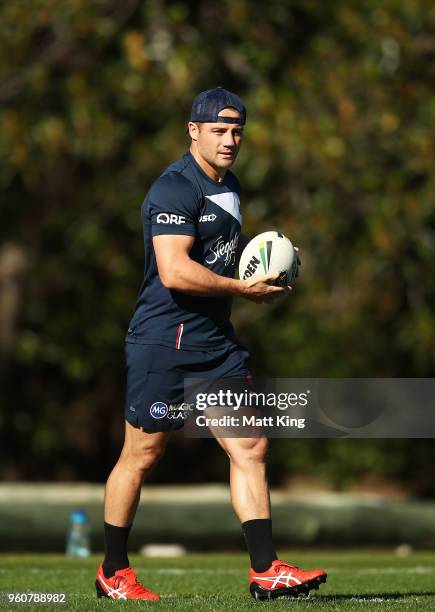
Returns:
point(257, 289)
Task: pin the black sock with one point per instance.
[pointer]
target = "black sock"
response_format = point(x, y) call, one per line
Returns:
point(115, 549)
point(258, 537)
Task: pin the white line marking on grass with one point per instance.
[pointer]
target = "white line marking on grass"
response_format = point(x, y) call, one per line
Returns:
point(181, 571)
point(418, 569)
point(368, 599)
point(403, 570)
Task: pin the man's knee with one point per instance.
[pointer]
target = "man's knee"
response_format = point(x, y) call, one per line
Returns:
point(251, 450)
point(142, 459)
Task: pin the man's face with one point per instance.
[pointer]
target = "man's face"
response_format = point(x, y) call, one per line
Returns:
point(218, 143)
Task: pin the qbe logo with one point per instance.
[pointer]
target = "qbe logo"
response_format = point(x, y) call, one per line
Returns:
point(170, 218)
point(159, 410)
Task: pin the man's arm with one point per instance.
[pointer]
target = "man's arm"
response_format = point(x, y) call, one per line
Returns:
point(178, 271)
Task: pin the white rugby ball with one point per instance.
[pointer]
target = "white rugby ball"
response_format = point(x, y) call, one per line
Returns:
point(269, 252)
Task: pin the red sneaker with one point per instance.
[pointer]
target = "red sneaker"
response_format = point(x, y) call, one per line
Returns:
point(123, 585)
point(284, 580)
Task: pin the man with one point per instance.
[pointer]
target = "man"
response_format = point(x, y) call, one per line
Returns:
point(181, 327)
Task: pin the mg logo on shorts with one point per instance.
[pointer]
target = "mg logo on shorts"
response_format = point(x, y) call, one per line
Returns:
point(158, 410)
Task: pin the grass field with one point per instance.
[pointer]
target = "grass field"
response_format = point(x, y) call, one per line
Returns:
point(356, 581)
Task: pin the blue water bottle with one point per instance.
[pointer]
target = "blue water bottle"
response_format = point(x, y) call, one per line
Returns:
point(79, 538)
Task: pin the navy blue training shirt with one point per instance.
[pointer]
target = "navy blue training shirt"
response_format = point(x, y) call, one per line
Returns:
point(186, 201)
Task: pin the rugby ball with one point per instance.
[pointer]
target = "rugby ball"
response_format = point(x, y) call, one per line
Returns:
point(269, 252)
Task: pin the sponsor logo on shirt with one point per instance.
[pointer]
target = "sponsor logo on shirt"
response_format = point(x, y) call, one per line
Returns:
point(206, 218)
point(170, 218)
point(223, 250)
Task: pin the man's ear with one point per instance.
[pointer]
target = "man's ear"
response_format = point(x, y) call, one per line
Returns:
point(193, 130)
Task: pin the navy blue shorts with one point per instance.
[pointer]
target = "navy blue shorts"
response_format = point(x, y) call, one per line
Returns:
point(155, 380)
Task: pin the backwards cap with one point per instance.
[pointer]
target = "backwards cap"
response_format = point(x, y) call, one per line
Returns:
point(208, 104)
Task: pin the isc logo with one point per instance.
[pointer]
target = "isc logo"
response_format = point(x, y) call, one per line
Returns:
point(206, 218)
point(251, 267)
point(158, 410)
point(166, 218)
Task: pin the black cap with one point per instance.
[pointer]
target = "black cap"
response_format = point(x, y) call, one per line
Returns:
point(208, 104)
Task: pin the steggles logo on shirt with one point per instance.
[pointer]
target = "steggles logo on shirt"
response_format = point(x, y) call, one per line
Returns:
point(224, 249)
